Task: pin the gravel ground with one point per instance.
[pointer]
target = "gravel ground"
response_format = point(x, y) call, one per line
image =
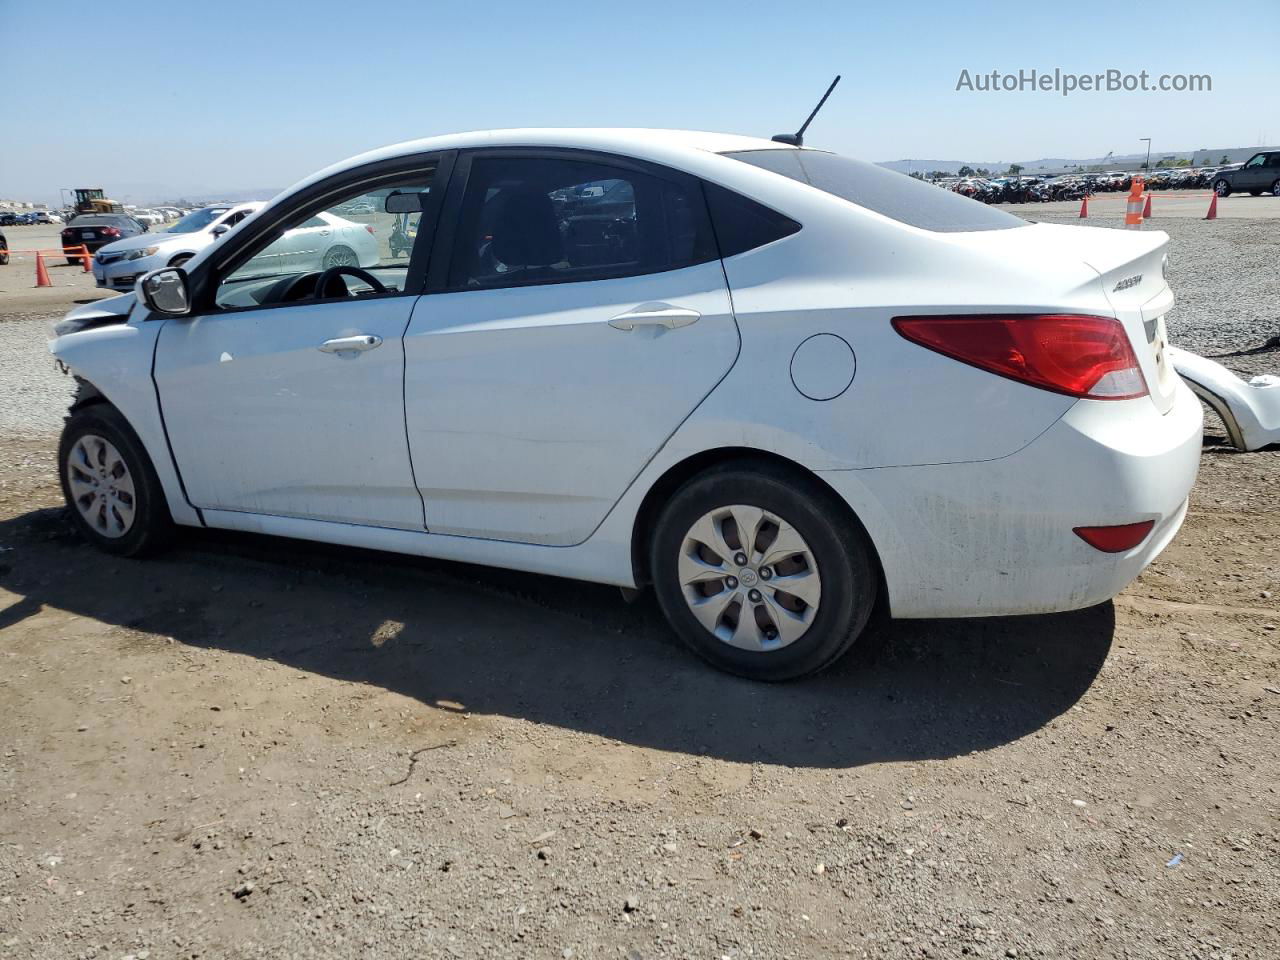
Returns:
point(255, 748)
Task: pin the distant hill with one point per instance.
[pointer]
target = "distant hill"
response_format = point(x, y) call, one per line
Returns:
point(1126, 161)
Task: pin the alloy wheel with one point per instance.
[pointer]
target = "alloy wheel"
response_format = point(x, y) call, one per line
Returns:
point(101, 485)
point(749, 578)
point(340, 257)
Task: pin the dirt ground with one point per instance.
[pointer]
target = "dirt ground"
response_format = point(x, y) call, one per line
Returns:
point(257, 748)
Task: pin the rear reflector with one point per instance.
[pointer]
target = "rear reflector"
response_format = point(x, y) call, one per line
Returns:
point(1115, 539)
point(1080, 356)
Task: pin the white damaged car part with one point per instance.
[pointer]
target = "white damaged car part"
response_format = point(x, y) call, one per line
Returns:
point(1249, 410)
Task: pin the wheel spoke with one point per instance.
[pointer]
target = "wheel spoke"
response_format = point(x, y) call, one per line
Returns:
point(748, 635)
point(804, 585)
point(747, 520)
point(786, 544)
point(709, 610)
point(707, 532)
point(693, 569)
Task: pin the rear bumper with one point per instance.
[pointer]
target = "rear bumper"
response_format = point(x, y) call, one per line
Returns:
point(995, 537)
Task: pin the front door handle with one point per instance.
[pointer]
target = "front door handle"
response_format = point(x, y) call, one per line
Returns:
point(655, 315)
point(356, 344)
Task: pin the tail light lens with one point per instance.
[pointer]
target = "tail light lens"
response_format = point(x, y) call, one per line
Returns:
point(1115, 539)
point(111, 231)
point(1079, 356)
point(370, 229)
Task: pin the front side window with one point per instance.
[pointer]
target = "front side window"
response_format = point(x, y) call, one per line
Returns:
point(1257, 161)
point(360, 231)
point(894, 195)
point(551, 220)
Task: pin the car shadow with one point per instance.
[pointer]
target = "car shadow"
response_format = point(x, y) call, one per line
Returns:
point(558, 652)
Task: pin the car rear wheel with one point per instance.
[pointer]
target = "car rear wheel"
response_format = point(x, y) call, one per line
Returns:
point(1222, 188)
point(760, 571)
point(110, 486)
point(340, 256)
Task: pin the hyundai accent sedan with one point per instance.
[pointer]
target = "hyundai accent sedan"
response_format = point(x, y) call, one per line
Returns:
point(778, 385)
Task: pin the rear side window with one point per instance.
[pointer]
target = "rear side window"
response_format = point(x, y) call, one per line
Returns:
point(551, 220)
point(894, 195)
point(743, 224)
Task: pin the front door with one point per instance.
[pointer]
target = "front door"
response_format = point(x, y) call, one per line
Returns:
point(284, 397)
point(585, 316)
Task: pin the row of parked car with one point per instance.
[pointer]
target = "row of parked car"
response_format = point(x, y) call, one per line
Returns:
point(1258, 175)
point(1041, 189)
point(9, 218)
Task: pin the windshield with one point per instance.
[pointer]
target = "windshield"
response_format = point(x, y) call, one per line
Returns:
point(197, 220)
point(894, 195)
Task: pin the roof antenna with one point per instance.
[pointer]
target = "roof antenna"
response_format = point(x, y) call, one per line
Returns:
point(797, 139)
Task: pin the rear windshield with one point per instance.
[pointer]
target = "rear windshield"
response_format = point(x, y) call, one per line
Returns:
point(895, 195)
point(101, 220)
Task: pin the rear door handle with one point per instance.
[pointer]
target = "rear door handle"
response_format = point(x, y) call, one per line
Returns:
point(356, 344)
point(655, 315)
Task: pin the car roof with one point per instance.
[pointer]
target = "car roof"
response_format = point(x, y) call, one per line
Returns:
point(657, 145)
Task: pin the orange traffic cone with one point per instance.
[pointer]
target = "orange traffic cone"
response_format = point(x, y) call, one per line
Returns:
point(1146, 211)
point(1084, 208)
point(1213, 209)
point(84, 249)
point(42, 275)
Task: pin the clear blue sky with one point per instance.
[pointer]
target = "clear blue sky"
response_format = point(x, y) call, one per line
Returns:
point(150, 98)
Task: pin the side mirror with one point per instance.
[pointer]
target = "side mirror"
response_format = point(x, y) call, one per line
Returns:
point(165, 291)
point(219, 230)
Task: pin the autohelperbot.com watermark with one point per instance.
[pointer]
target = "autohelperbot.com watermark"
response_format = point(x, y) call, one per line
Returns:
point(1066, 83)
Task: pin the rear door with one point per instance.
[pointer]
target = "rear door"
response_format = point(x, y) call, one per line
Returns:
point(581, 315)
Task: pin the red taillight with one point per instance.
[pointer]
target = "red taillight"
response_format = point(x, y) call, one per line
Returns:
point(1117, 539)
point(370, 229)
point(1077, 355)
point(68, 232)
point(111, 231)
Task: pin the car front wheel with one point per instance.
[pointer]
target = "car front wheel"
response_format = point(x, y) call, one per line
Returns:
point(110, 486)
point(1222, 188)
point(1275, 189)
point(762, 572)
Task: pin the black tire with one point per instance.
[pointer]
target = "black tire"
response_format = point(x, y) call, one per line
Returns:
point(152, 527)
point(1275, 189)
point(1222, 188)
point(842, 552)
point(4, 258)
point(340, 256)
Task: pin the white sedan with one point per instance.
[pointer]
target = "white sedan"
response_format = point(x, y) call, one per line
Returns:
point(326, 240)
point(778, 385)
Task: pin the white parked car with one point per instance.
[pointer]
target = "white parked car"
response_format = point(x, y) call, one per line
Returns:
point(778, 385)
point(328, 240)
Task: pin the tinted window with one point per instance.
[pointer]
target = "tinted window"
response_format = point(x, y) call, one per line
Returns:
point(891, 194)
point(543, 220)
point(743, 224)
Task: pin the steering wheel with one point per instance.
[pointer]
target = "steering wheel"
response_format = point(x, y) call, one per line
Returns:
point(326, 281)
point(316, 286)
